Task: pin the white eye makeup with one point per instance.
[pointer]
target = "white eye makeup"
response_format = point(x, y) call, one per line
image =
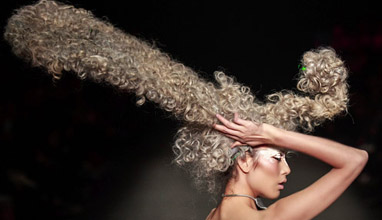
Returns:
point(270, 154)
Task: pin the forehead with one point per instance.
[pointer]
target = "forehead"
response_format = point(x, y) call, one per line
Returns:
point(269, 151)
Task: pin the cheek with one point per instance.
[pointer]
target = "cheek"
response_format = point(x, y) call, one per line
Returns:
point(265, 178)
point(269, 165)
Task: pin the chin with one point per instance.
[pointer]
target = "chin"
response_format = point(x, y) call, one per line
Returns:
point(272, 196)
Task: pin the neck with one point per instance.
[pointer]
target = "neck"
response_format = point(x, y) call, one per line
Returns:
point(235, 187)
point(258, 202)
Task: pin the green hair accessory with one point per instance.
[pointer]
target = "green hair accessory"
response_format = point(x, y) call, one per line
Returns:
point(235, 156)
point(302, 67)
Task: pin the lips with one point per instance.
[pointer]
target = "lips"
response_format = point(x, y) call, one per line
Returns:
point(281, 184)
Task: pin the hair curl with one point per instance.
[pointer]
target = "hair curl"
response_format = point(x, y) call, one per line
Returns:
point(60, 37)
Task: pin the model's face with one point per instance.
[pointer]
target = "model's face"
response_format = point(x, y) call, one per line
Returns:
point(269, 174)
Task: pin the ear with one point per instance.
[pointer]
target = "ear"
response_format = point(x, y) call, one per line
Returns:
point(246, 163)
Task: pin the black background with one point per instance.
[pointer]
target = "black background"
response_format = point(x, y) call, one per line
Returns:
point(77, 150)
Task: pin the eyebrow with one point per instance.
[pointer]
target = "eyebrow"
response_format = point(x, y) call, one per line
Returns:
point(281, 154)
point(278, 152)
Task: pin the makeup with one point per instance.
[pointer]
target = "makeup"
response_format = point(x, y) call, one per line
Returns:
point(271, 155)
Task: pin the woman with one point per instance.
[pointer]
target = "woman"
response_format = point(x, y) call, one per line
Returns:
point(62, 38)
point(263, 170)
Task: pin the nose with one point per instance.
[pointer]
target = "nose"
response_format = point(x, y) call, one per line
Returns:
point(285, 169)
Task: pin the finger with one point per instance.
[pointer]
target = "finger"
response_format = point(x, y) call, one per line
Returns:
point(227, 123)
point(227, 130)
point(234, 138)
point(236, 119)
point(240, 121)
point(236, 143)
point(235, 116)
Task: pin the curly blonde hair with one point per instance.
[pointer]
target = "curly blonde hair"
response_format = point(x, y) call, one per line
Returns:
point(61, 37)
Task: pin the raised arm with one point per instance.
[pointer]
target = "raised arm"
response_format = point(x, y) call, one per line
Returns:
point(347, 163)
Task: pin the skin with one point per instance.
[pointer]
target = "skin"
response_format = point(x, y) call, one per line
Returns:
point(261, 177)
point(271, 168)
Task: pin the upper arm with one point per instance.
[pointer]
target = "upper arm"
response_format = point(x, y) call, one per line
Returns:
point(312, 200)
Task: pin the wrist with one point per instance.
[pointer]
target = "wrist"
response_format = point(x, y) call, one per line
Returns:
point(274, 134)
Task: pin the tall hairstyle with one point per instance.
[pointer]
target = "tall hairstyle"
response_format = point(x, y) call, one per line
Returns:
point(60, 37)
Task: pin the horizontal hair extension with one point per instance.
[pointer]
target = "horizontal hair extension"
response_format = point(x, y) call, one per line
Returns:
point(60, 37)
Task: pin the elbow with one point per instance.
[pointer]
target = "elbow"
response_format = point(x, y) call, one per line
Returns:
point(364, 156)
point(360, 158)
point(355, 163)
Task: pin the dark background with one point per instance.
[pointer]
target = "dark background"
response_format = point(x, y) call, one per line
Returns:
point(80, 150)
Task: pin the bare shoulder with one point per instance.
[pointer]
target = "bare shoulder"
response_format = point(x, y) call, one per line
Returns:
point(252, 214)
point(238, 214)
point(269, 213)
point(209, 217)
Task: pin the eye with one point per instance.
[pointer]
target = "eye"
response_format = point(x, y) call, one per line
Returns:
point(278, 158)
point(291, 154)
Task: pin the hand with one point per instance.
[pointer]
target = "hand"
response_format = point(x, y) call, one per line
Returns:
point(245, 132)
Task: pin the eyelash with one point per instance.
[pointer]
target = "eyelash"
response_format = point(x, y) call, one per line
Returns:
point(277, 158)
